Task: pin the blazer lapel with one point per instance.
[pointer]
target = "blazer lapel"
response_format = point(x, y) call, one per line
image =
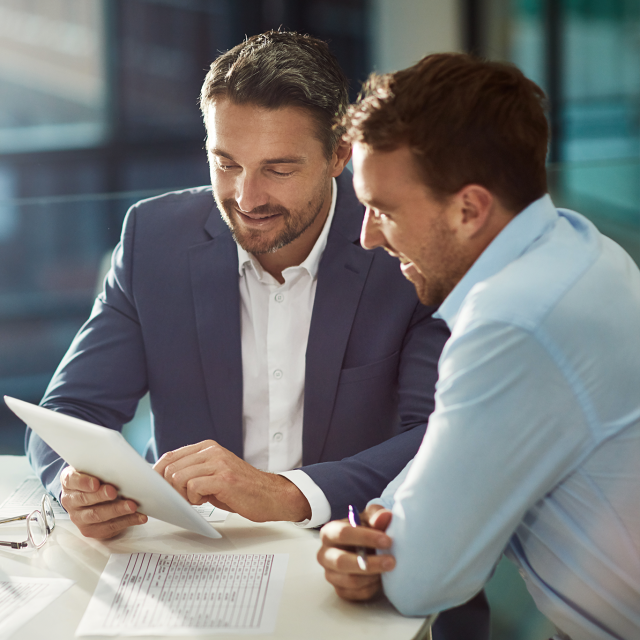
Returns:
point(216, 297)
point(341, 278)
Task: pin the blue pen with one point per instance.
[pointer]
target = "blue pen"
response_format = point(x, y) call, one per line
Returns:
point(354, 521)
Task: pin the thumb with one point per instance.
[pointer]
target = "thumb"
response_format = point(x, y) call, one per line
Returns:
point(381, 519)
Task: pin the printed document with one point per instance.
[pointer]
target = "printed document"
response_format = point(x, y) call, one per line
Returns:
point(28, 496)
point(211, 513)
point(22, 598)
point(191, 594)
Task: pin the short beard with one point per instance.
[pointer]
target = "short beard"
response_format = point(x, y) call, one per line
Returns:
point(433, 295)
point(257, 242)
point(434, 284)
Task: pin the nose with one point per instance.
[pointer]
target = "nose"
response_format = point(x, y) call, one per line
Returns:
point(371, 235)
point(249, 192)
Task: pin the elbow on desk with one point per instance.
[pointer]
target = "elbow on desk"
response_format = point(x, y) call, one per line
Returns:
point(416, 595)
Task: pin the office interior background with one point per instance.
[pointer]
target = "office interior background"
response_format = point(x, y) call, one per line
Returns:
point(98, 108)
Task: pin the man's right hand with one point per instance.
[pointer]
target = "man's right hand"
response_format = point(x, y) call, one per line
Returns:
point(95, 507)
point(338, 554)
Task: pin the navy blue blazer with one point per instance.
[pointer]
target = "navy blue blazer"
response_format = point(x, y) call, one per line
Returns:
point(168, 321)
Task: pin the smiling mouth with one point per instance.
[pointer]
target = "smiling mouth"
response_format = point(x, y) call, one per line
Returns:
point(256, 217)
point(400, 257)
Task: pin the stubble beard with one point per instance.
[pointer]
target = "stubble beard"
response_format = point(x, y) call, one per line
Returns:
point(434, 284)
point(430, 291)
point(296, 222)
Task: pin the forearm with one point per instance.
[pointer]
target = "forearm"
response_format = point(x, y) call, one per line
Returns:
point(386, 500)
point(45, 462)
point(424, 581)
point(317, 503)
point(294, 505)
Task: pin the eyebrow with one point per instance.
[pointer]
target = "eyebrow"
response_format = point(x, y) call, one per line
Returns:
point(378, 204)
point(281, 160)
point(375, 204)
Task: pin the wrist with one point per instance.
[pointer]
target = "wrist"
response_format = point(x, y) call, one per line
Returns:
point(292, 503)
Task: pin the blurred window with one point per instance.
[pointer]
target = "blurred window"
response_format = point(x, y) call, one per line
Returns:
point(52, 74)
point(98, 108)
point(596, 59)
point(585, 54)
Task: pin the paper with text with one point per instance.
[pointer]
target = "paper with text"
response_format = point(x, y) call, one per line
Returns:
point(211, 513)
point(190, 594)
point(22, 598)
point(26, 498)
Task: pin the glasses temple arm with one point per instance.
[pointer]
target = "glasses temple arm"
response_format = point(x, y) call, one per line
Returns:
point(15, 519)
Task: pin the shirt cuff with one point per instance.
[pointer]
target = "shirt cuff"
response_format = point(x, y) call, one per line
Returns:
point(320, 507)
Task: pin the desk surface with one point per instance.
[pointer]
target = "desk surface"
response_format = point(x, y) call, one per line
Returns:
point(309, 608)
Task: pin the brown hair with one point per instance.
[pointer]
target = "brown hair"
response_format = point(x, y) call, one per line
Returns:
point(280, 69)
point(467, 121)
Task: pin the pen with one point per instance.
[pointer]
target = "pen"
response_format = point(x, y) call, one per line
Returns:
point(354, 521)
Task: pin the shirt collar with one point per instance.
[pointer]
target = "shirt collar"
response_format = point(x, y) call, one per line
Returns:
point(521, 232)
point(312, 261)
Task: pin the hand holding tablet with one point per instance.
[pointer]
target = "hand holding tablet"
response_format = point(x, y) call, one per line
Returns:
point(97, 452)
point(95, 508)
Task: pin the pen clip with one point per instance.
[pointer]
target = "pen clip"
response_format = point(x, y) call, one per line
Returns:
point(354, 517)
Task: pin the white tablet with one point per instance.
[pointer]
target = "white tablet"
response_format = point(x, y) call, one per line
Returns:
point(105, 454)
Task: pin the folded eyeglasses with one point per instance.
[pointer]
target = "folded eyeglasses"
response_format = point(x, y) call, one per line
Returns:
point(40, 523)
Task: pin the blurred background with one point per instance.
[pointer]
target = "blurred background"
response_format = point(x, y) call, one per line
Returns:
point(98, 108)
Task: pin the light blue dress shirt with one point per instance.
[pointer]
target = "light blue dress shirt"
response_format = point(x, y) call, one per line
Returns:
point(534, 445)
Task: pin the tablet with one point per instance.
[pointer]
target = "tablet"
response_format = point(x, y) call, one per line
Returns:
point(105, 454)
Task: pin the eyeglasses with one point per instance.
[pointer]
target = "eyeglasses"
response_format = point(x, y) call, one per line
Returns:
point(40, 523)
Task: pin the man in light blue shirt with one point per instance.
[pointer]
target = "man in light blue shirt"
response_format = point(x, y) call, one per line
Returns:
point(534, 445)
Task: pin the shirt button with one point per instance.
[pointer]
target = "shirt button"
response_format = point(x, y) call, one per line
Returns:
point(277, 374)
point(277, 437)
point(279, 297)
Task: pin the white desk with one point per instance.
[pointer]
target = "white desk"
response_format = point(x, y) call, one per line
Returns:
point(309, 610)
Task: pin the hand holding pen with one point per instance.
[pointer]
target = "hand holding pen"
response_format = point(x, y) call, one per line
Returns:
point(346, 553)
point(354, 521)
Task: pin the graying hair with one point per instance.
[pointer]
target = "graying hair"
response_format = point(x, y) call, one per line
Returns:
point(280, 69)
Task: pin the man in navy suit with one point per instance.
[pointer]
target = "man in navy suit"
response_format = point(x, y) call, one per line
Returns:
point(291, 348)
point(286, 370)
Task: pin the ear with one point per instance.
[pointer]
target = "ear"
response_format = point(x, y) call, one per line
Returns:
point(474, 205)
point(340, 157)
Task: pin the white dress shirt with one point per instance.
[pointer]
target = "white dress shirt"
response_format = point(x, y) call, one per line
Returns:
point(275, 321)
point(534, 444)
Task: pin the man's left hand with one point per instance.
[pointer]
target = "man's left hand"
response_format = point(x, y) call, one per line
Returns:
point(207, 472)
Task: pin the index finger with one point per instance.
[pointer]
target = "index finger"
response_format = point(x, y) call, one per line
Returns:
point(177, 454)
point(340, 533)
point(73, 480)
